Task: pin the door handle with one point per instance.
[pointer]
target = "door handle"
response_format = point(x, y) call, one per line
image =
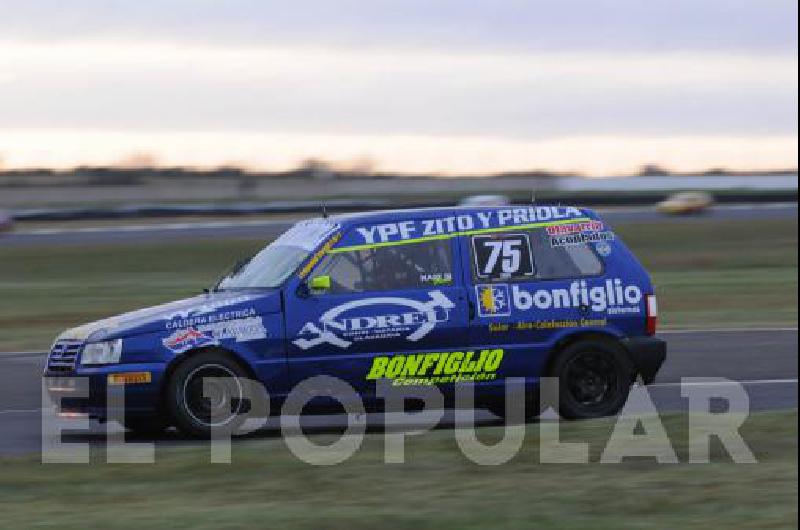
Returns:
point(471, 307)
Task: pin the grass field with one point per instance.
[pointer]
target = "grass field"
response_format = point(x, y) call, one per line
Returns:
point(438, 487)
point(707, 273)
point(720, 273)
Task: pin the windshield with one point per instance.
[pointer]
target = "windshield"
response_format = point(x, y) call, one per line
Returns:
point(272, 266)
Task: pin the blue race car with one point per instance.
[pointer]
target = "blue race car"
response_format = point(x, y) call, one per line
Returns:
point(424, 297)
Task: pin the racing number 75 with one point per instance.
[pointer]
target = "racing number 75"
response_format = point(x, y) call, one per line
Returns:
point(509, 264)
point(502, 256)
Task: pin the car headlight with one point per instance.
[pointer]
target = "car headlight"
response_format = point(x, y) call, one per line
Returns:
point(107, 352)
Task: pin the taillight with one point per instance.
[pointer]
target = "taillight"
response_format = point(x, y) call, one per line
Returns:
point(651, 315)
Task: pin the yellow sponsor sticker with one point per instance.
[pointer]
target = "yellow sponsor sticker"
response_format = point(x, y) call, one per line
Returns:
point(130, 378)
point(319, 254)
point(437, 368)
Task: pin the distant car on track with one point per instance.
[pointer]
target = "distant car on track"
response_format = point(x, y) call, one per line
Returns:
point(485, 200)
point(425, 297)
point(686, 202)
point(6, 221)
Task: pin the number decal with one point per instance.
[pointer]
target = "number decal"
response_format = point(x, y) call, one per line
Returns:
point(496, 247)
point(504, 256)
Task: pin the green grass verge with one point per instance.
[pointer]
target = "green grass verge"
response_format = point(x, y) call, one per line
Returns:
point(708, 273)
point(438, 487)
point(712, 273)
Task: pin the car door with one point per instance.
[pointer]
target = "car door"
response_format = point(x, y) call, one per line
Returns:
point(385, 306)
point(525, 295)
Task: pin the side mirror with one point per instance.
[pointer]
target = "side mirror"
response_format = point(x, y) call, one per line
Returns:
point(320, 283)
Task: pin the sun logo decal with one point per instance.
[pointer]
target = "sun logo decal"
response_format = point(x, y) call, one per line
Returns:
point(487, 300)
point(493, 300)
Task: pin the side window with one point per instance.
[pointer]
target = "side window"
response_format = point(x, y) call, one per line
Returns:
point(406, 266)
point(530, 255)
point(568, 261)
point(502, 256)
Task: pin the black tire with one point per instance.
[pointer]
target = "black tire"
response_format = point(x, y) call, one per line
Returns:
point(594, 379)
point(148, 426)
point(195, 415)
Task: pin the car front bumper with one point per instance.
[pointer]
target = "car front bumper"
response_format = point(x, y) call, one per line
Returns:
point(91, 390)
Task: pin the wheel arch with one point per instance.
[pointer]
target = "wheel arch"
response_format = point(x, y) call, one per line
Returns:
point(178, 359)
point(578, 336)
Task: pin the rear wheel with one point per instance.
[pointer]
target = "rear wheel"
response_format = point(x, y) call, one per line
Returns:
point(594, 379)
point(206, 392)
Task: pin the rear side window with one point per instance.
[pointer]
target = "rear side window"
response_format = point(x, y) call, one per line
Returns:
point(568, 261)
point(530, 255)
point(406, 266)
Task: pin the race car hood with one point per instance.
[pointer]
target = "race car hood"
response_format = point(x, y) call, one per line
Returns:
point(179, 312)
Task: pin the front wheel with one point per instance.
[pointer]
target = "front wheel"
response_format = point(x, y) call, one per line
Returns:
point(594, 379)
point(206, 392)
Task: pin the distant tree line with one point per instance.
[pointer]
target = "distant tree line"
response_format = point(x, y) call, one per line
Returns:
point(311, 169)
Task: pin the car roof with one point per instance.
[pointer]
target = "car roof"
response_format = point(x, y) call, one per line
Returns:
point(377, 216)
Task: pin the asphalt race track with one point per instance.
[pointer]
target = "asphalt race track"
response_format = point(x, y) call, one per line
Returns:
point(764, 361)
point(269, 229)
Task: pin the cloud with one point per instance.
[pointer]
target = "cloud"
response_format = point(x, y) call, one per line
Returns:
point(523, 25)
point(314, 90)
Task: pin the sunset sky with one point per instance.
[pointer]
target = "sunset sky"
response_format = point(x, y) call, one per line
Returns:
point(449, 86)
